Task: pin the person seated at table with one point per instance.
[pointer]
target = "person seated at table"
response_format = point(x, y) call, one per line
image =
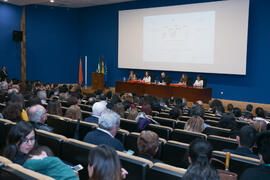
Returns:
point(147, 77)
point(183, 80)
point(132, 76)
point(164, 80)
point(198, 82)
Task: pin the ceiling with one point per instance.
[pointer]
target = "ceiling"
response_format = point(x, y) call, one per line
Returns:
point(66, 3)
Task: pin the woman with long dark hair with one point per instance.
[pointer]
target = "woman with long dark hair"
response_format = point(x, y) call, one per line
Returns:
point(200, 152)
point(104, 164)
point(20, 141)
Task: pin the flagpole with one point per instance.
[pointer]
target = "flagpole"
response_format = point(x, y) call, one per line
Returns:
point(85, 74)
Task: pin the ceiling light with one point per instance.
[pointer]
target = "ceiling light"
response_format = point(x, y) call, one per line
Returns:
point(52, 1)
point(5, 0)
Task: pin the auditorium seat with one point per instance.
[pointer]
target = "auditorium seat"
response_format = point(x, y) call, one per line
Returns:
point(165, 121)
point(52, 140)
point(175, 154)
point(211, 130)
point(219, 143)
point(165, 171)
point(10, 171)
point(121, 135)
point(212, 122)
point(155, 113)
point(64, 103)
point(76, 152)
point(84, 128)
point(137, 167)
point(238, 164)
point(5, 126)
point(61, 125)
point(84, 107)
point(162, 131)
point(2, 106)
point(180, 124)
point(129, 125)
point(184, 118)
point(131, 144)
point(211, 117)
point(186, 136)
point(164, 114)
point(240, 124)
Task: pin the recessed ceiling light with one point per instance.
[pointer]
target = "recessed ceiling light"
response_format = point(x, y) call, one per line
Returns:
point(52, 1)
point(5, 0)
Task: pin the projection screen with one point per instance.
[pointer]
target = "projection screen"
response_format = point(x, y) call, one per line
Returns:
point(206, 37)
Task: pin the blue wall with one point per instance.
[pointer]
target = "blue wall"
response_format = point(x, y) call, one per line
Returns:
point(10, 51)
point(52, 50)
point(99, 36)
point(57, 37)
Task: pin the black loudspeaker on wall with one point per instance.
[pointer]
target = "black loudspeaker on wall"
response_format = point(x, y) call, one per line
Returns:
point(17, 36)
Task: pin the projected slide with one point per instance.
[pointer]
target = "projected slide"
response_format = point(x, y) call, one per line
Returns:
point(179, 38)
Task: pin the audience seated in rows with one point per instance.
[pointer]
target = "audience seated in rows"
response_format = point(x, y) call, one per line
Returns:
point(147, 144)
point(97, 109)
point(237, 113)
point(200, 152)
point(227, 121)
point(175, 113)
point(37, 115)
point(230, 108)
point(20, 141)
point(246, 140)
point(119, 109)
point(261, 172)
point(42, 161)
point(132, 112)
point(260, 115)
point(259, 126)
point(195, 124)
point(54, 107)
point(144, 117)
point(108, 123)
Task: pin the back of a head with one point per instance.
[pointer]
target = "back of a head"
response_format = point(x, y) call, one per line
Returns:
point(249, 108)
point(230, 107)
point(17, 98)
point(72, 100)
point(98, 108)
point(175, 113)
point(38, 150)
point(133, 113)
point(73, 112)
point(54, 107)
point(259, 126)
point(34, 100)
point(146, 108)
point(104, 164)
point(42, 95)
point(119, 109)
point(147, 143)
point(108, 120)
point(259, 112)
point(195, 124)
point(263, 143)
point(12, 112)
point(247, 136)
point(36, 113)
point(237, 112)
point(227, 121)
point(197, 111)
point(215, 103)
point(200, 152)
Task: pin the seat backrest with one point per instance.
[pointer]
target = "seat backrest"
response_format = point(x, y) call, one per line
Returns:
point(165, 171)
point(86, 114)
point(219, 143)
point(180, 124)
point(136, 166)
point(84, 128)
point(5, 126)
point(121, 135)
point(212, 117)
point(212, 130)
point(85, 107)
point(162, 131)
point(60, 125)
point(238, 164)
point(212, 122)
point(165, 121)
point(15, 171)
point(164, 114)
point(129, 125)
point(175, 154)
point(53, 141)
point(186, 136)
point(185, 118)
point(76, 152)
point(240, 124)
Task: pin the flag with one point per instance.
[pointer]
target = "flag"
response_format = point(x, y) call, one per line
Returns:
point(102, 69)
point(80, 73)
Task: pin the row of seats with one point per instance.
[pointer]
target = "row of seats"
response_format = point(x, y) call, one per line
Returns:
point(11, 171)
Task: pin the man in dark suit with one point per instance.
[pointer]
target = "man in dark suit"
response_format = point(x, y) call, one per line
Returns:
point(246, 140)
point(3, 74)
point(108, 123)
point(164, 80)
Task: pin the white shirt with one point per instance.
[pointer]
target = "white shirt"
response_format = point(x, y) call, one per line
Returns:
point(198, 83)
point(105, 132)
point(260, 119)
point(147, 79)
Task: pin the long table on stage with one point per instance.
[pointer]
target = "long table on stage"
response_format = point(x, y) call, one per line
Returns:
point(190, 93)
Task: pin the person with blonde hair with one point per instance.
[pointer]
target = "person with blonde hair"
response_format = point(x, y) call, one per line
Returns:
point(195, 124)
point(259, 126)
point(147, 144)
